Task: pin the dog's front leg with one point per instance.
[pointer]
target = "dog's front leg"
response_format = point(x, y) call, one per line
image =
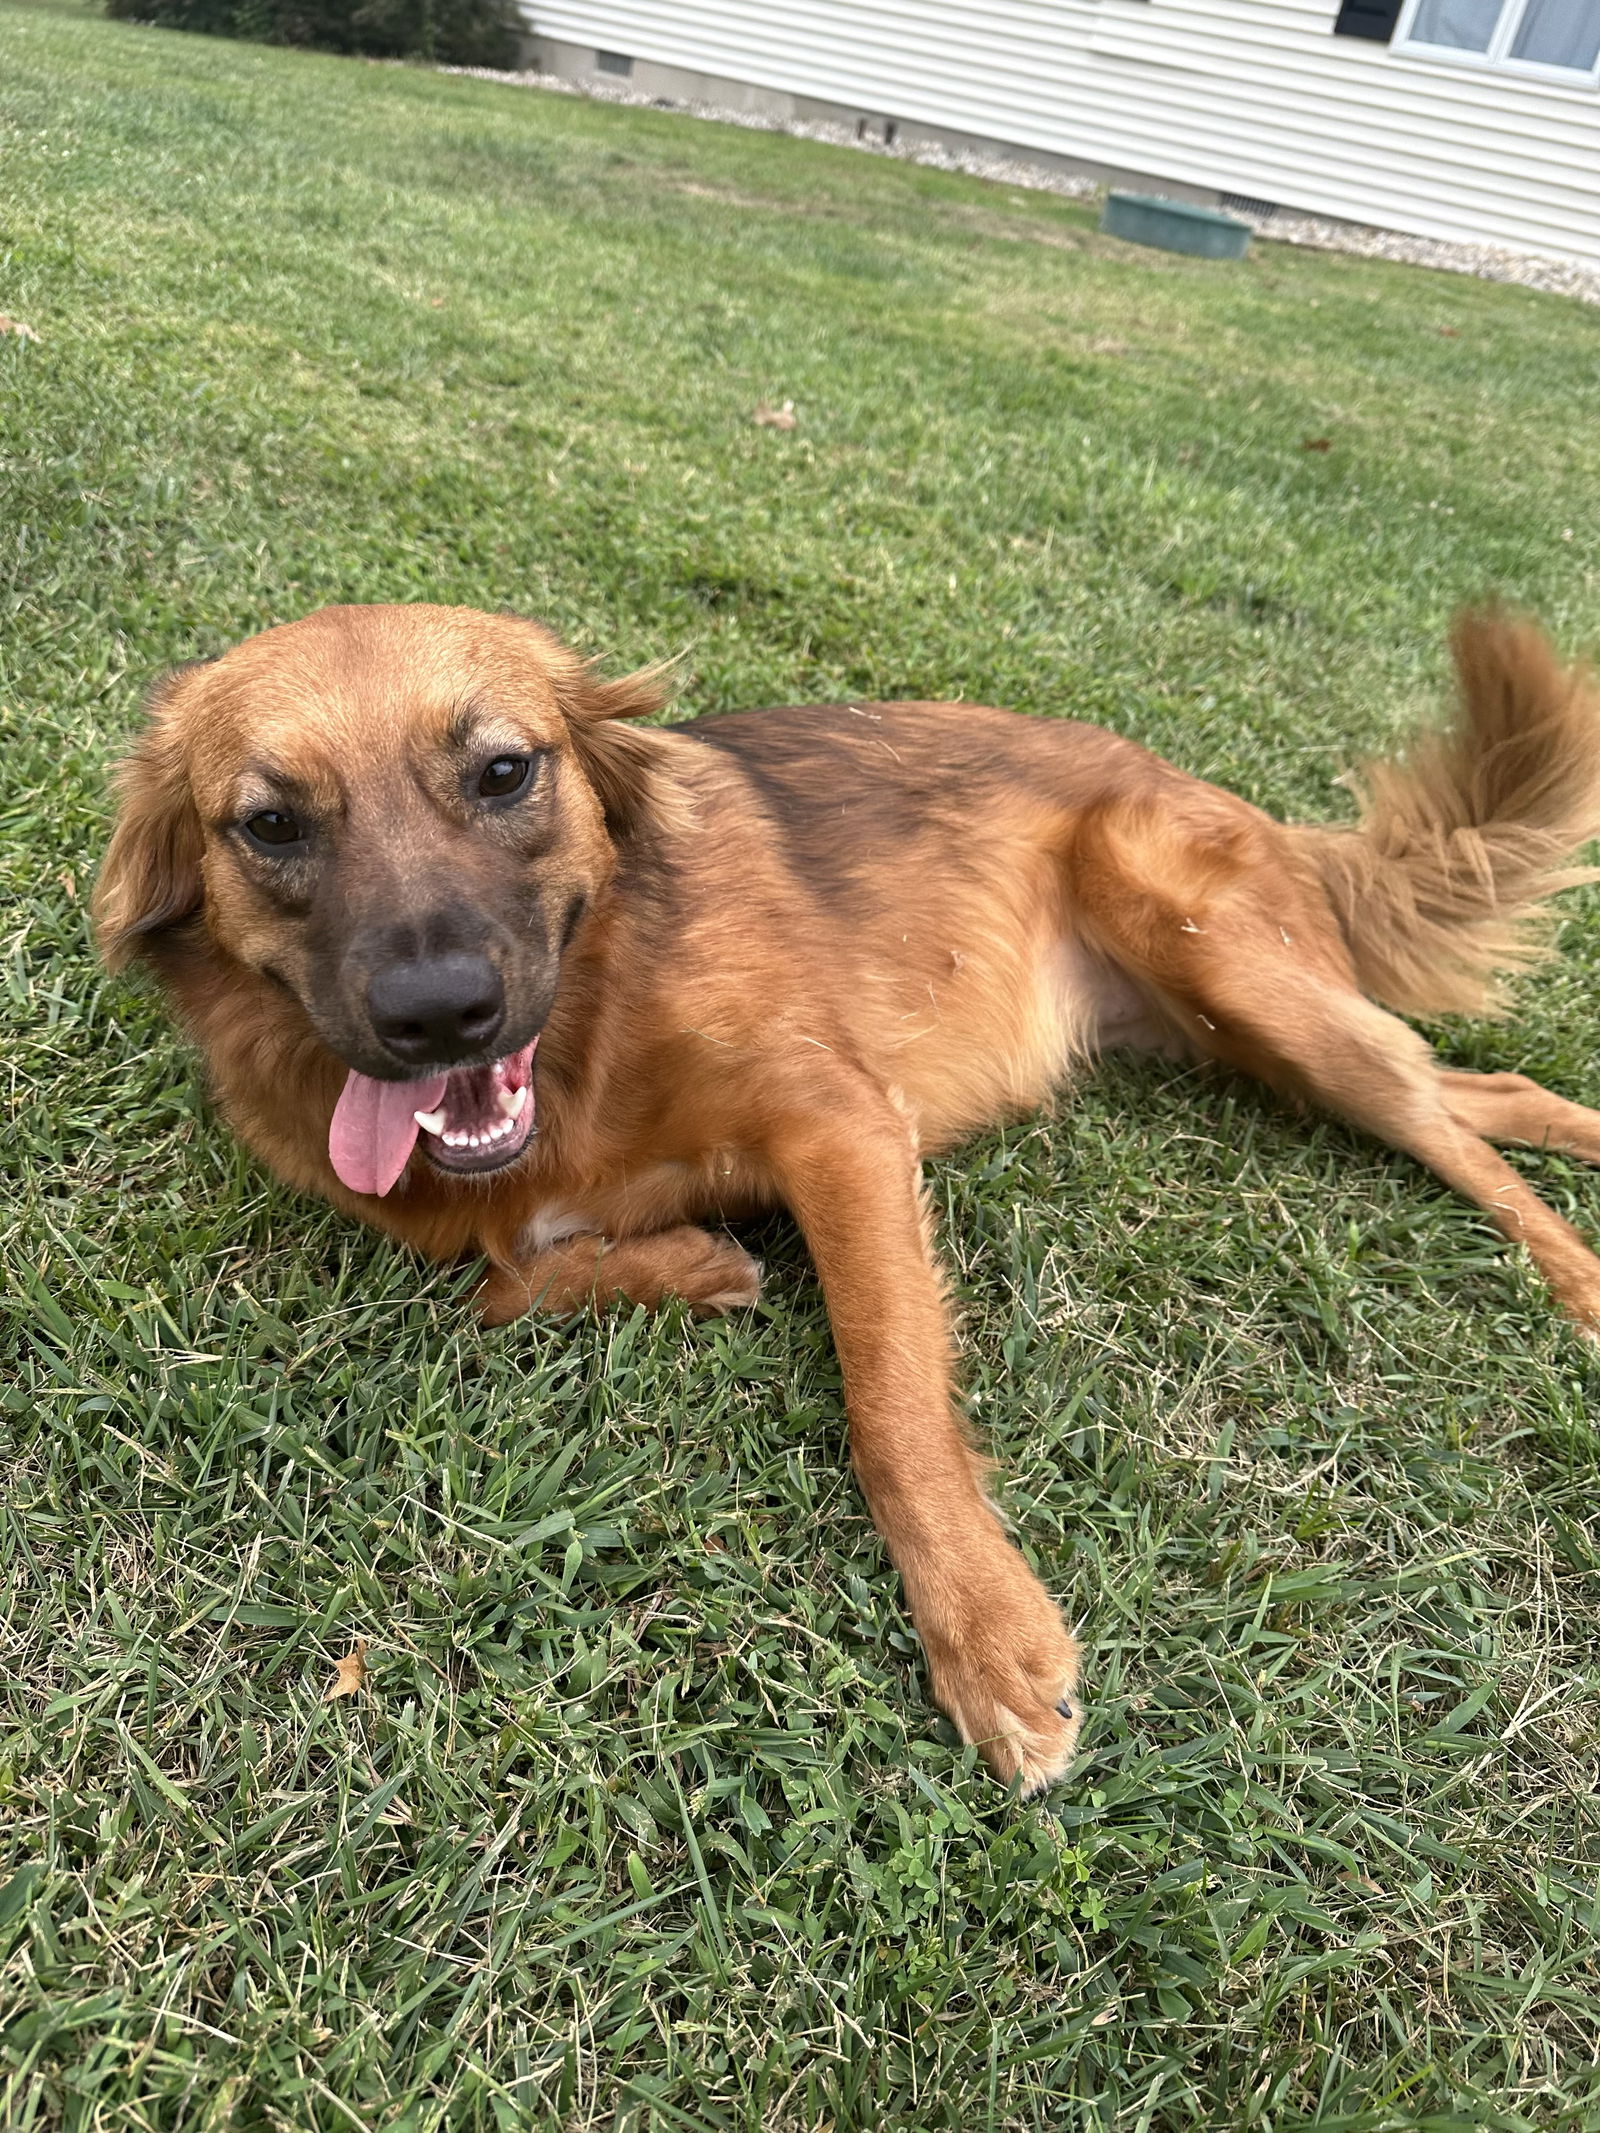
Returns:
point(1000, 1659)
point(711, 1274)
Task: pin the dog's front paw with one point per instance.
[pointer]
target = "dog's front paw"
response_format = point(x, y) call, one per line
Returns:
point(707, 1271)
point(1003, 1665)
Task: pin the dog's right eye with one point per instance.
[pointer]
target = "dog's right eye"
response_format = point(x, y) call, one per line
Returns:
point(506, 775)
point(273, 829)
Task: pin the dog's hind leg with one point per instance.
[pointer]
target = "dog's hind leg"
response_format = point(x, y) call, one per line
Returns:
point(1247, 961)
point(1511, 1108)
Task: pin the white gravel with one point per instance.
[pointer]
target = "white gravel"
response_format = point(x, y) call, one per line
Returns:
point(1488, 262)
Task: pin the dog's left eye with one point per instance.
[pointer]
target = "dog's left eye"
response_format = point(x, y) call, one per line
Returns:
point(272, 827)
point(504, 776)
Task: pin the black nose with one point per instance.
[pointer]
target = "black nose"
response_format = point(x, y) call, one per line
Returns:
point(432, 1010)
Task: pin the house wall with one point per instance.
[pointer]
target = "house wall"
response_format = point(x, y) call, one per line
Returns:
point(1254, 97)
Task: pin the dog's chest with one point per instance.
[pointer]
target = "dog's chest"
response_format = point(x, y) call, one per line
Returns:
point(652, 1198)
point(553, 1224)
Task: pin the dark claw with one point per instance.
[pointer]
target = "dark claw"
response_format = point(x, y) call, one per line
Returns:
point(1066, 1710)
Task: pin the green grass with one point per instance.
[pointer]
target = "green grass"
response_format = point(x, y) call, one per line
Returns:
point(643, 1821)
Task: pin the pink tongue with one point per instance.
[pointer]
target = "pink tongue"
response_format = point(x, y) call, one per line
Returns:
point(373, 1131)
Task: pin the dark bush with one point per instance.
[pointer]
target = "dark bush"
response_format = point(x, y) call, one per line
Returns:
point(463, 33)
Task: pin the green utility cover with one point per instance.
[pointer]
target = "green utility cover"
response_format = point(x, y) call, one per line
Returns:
point(1175, 226)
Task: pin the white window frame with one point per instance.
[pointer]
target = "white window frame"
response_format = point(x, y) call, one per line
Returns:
point(1497, 58)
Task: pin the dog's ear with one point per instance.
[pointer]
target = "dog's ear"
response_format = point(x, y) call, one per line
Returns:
point(616, 760)
point(592, 702)
point(150, 878)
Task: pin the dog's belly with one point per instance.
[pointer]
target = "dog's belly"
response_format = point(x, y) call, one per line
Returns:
point(1113, 1012)
point(1007, 1029)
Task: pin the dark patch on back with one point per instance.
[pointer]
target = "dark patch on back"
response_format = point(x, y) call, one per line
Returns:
point(850, 791)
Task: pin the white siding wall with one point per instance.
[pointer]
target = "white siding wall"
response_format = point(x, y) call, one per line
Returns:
point(1250, 96)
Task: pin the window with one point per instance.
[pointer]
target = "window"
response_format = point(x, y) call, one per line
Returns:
point(1547, 37)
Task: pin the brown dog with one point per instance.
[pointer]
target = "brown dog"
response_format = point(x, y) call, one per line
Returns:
point(498, 974)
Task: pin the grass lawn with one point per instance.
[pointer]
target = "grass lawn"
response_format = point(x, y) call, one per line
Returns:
point(642, 1820)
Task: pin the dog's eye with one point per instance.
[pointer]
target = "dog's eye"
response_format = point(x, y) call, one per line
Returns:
point(504, 776)
point(273, 828)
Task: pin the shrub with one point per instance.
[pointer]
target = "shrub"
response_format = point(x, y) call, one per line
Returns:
point(467, 33)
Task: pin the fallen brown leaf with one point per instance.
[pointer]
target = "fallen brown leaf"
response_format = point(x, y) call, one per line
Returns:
point(775, 418)
point(1317, 444)
point(16, 326)
point(1364, 1881)
point(348, 1673)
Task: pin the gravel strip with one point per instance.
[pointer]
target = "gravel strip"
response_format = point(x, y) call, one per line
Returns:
point(1489, 262)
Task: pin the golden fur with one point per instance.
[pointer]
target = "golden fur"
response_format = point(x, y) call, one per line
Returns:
point(808, 947)
point(1442, 885)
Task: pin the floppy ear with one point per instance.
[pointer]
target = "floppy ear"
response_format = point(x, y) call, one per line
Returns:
point(150, 878)
point(617, 761)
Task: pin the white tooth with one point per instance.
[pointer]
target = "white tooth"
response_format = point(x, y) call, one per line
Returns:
point(512, 1101)
point(430, 1121)
point(455, 1140)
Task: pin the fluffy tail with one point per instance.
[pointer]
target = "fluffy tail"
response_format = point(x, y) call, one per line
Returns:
point(1441, 884)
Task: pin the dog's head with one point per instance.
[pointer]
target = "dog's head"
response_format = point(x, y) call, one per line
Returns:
point(399, 815)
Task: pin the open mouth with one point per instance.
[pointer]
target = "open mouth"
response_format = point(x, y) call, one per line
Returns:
point(470, 1121)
